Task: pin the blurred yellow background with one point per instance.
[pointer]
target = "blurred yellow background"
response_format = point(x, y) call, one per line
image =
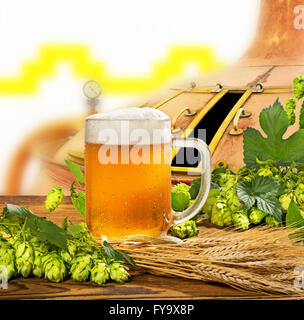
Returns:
point(50, 48)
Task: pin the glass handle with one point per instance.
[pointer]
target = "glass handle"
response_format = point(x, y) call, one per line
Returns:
point(201, 198)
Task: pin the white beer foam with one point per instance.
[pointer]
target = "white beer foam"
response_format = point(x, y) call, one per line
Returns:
point(128, 126)
point(131, 114)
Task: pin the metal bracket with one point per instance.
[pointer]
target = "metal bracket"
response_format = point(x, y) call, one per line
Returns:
point(258, 88)
point(237, 131)
point(189, 113)
point(218, 88)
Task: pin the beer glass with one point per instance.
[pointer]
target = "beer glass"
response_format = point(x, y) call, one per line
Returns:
point(128, 173)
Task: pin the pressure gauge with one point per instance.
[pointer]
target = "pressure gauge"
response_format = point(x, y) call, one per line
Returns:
point(91, 89)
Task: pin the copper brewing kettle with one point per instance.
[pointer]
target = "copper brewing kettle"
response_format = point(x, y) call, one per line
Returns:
point(233, 96)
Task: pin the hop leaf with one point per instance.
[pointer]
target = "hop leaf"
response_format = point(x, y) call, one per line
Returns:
point(78, 199)
point(274, 122)
point(261, 192)
point(75, 169)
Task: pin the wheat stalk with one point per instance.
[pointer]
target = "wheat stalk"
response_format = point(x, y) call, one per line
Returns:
point(261, 259)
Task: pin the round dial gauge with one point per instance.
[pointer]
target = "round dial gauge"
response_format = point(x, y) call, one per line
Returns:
point(91, 89)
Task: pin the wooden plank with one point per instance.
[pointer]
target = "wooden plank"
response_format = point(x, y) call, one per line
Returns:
point(140, 286)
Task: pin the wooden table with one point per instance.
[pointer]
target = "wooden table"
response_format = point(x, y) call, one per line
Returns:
point(141, 285)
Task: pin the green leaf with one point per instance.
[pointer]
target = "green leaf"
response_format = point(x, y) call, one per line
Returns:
point(64, 224)
point(270, 205)
point(75, 169)
point(117, 254)
point(78, 199)
point(274, 123)
point(261, 192)
point(49, 231)
point(293, 217)
point(44, 229)
point(194, 188)
point(75, 230)
point(301, 121)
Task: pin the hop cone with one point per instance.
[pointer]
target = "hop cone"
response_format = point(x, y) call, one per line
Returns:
point(54, 267)
point(184, 230)
point(7, 258)
point(81, 267)
point(99, 272)
point(298, 87)
point(221, 214)
point(271, 221)
point(40, 250)
point(180, 197)
point(285, 200)
point(68, 256)
point(256, 216)
point(118, 272)
point(24, 258)
point(240, 220)
point(53, 198)
point(38, 269)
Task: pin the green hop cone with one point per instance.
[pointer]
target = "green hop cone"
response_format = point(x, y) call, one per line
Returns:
point(298, 87)
point(299, 193)
point(81, 267)
point(180, 197)
point(24, 258)
point(291, 118)
point(285, 200)
point(240, 220)
point(221, 214)
point(68, 256)
point(211, 201)
point(99, 272)
point(38, 269)
point(233, 201)
point(271, 221)
point(7, 258)
point(184, 230)
point(118, 272)
point(53, 198)
point(256, 216)
point(265, 172)
point(290, 108)
point(40, 249)
point(54, 267)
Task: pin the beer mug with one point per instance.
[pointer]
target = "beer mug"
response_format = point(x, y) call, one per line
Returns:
point(128, 173)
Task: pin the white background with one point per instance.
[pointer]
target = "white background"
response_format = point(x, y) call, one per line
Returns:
point(127, 35)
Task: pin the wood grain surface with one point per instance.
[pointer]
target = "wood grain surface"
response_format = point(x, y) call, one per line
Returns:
point(140, 286)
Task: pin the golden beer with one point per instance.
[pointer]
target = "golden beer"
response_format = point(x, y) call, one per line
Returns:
point(126, 199)
point(128, 173)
